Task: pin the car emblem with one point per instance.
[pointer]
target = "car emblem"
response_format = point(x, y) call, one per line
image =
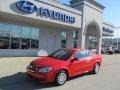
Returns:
point(26, 6)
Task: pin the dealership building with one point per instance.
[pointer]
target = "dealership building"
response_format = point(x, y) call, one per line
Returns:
point(28, 26)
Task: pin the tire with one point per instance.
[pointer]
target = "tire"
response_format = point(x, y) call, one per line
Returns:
point(61, 78)
point(96, 68)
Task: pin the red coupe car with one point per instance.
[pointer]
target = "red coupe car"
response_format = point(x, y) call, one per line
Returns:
point(64, 63)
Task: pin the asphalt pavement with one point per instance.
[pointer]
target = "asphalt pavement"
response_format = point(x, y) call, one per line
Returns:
point(13, 77)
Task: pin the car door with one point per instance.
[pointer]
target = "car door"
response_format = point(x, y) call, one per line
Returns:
point(88, 61)
point(78, 66)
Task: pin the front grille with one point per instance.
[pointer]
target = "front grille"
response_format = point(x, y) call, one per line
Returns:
point(33, 68)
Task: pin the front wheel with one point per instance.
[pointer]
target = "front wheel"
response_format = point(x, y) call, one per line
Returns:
point(96, 68)
point(61, 77)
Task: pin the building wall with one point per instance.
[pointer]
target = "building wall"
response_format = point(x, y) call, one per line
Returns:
point(50, 30)
point(92, 13)
point(49, 41)
point(85, 12)
point(50, 38)
point(10, 8)
point(10, 53)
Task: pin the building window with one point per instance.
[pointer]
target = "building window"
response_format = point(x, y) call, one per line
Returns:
point(18, 37)
point(92, 42)
point(34, 37)
point(15, 36)
point(4, 36)
point(63, 39)
point(75, 39)
point(25, 35)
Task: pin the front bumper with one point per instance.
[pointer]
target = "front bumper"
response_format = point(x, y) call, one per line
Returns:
point(41, 77)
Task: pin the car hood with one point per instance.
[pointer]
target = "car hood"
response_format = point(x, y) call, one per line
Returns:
point(47, 61)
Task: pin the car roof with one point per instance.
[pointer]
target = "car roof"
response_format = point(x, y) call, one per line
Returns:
point(75, 49)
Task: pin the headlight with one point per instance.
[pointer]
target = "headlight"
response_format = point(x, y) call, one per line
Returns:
point(45, 69)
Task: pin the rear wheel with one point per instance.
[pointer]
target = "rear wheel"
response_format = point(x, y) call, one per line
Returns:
point(96, 68)
point(61, 77)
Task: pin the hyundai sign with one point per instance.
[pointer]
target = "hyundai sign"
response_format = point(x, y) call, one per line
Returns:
point(29, 7)
point(26, 6)
point(107, 30)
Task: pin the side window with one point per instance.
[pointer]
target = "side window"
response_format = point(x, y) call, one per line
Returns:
point(81, 54)
point(90, 53)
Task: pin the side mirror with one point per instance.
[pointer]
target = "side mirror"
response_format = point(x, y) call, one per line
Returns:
point(74, 59)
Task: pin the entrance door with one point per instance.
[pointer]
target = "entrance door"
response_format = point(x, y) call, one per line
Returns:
point(92, 36)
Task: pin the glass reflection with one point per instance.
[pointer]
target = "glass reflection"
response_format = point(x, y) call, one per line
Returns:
point(34, 38)
point(25, 38)
point(15, 36)
point(18, 37)
point(4, 36)
point(63, 39)
point(75, 38)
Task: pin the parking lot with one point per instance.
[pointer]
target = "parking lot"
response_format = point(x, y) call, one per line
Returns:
point(13, 77)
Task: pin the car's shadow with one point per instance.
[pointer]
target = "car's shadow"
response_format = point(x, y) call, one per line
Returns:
point(20, 81)
point(78, 76)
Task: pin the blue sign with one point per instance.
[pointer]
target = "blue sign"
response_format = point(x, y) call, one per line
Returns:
point(107, 30)
point(26, 6)
point(29, 7)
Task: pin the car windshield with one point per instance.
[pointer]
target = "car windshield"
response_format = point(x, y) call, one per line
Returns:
point(62, 54)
